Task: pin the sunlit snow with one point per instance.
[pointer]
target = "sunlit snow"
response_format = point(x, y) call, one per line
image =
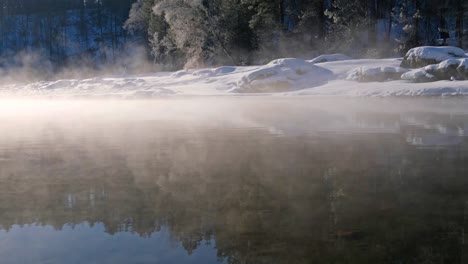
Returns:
point(287, 77)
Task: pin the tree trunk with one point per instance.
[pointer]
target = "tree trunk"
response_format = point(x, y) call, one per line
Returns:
point(372, 23)
point(84, 43)
point(2, 26)
point(416, 24)
point(390, 20)
point(281, 14)
point(459, 23)
point(322, 19)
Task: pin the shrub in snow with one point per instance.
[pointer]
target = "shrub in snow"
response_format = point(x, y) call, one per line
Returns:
point(378, 74)
point(330, 57)
point(454, 69)
point(423, 56)
point(283, 75)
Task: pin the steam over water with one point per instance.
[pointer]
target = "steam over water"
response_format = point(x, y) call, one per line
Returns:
point(234, 180)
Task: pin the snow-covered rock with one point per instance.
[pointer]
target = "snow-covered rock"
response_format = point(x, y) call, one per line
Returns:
point(224, 70)
point(376, 74)
point(214, 72)
point(342, 69)
point(179, 74)
point(453, 69)
point(283, 75)
point(330, 57)
point(203, 73)
point(423, 56)
point(419, 75)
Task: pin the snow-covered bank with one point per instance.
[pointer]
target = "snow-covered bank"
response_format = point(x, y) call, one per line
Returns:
point(341, 76)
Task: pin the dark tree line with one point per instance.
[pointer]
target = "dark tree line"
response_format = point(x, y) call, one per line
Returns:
point(197, 33)
point(63, 30)
point(210, 32)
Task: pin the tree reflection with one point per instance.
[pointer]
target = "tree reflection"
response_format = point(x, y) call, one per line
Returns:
point(354, 198)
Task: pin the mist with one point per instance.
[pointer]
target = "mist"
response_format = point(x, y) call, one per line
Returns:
point(233, 131)
point(32, 66)
point(218, 111)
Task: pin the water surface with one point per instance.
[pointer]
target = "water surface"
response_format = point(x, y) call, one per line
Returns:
point(238, 180)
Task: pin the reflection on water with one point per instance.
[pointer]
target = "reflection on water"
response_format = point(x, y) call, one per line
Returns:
point(273, 183)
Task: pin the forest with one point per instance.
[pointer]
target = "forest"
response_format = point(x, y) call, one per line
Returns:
point(62, 32)
point(197, 33)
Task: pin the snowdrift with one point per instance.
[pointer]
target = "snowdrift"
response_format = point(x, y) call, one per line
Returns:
point(283, 75)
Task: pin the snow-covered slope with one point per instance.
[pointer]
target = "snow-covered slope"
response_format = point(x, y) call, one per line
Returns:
point(287, 77)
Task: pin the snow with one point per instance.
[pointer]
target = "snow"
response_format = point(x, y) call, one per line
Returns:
point(376, 74)
point(430, 55)
point(282, 77)
point(463, 63)
point(341, 69)
point(214, 72)
point(330, 57)
point(435, 53)
point(452, 69)
point(384, 89)
point(419, 75)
